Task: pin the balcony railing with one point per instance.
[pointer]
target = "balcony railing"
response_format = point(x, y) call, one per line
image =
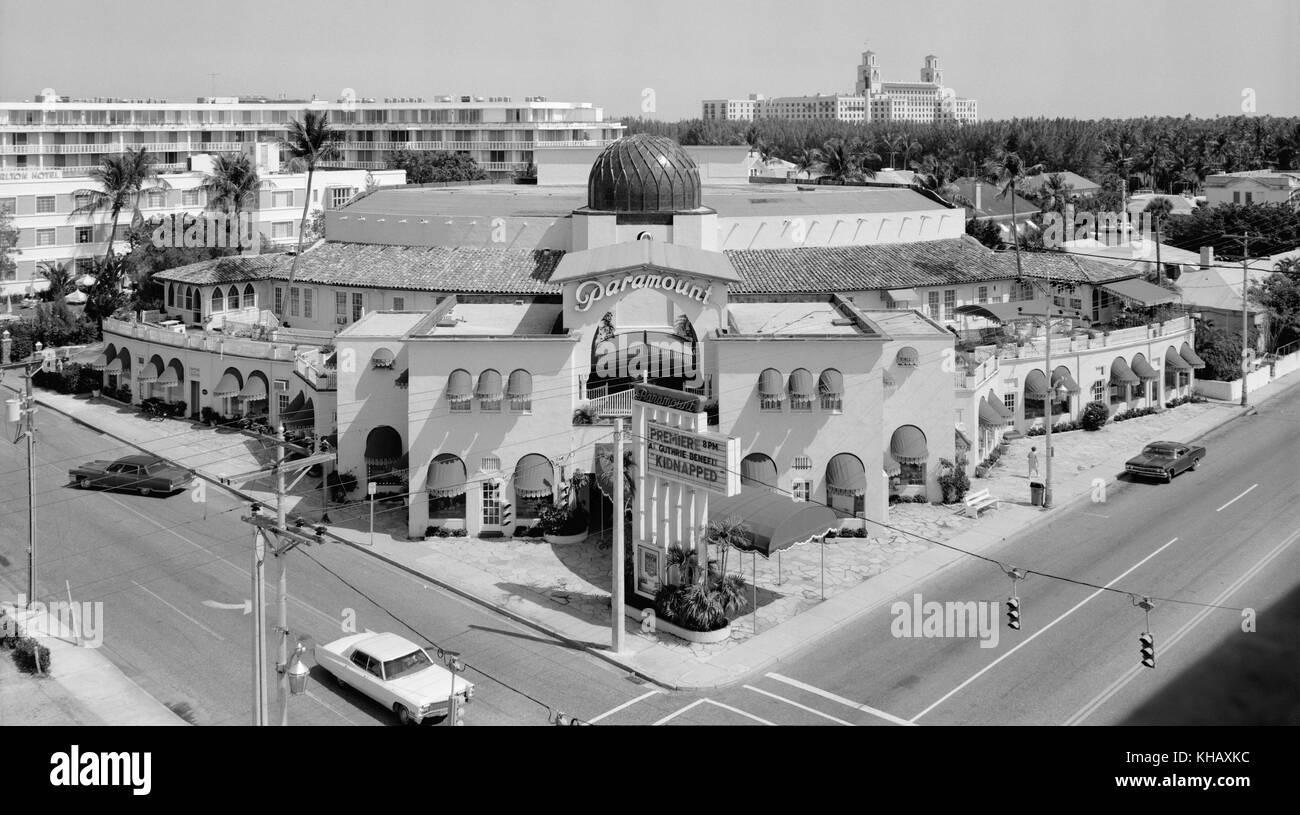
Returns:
point(1035, 348)
point(970, 378)
point(198, 340)
point(310, 366)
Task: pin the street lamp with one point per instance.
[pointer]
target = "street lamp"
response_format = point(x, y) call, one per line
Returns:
point(1061, 393)
point(297, 670)
point(454, 664)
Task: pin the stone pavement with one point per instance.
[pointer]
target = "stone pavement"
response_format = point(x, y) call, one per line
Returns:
point(561, 589)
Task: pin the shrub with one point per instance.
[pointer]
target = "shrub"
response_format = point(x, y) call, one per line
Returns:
point(584, 416)
point(831, 533)
point(563, 520)
point(920, 499)
point(460, 532)
point(1094, 416)
point(520, 531)
point(1036, 430)
point(534, 531)
point(981, 470)
point(31, 656)
point(443, 532)
point(861, 532)
point(953, 480)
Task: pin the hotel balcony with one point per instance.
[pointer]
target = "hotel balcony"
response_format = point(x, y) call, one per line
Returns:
point(313, 366)
point(177, 335)
point(1090, 339)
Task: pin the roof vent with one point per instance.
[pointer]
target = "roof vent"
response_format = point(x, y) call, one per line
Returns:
point(844, 321)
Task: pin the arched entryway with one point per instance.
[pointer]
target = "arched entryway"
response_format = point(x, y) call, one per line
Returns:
point(253, 395)
point(384, 456)
point(227, 392)
point(1178, 372)
point(758, 470)
point(534, 486)
point(846, 484)
point(907, 446)
point(149, 376)
point(446, 486)
point(119, 374)
point(1148, 386)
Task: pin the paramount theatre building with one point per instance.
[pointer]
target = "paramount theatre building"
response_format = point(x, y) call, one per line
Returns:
point(476, 345)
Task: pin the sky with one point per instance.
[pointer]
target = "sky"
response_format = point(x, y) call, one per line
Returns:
point(660, 58)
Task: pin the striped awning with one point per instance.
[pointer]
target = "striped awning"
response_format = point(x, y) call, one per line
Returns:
point(1142, 369)
point(382, 358)
point(770, 522)
point(1175, 362)
point(1061, 377)
point(169, 379)
point(534, 476)
point(383, 447)
point(460, 386)
point(1121, 374)
point(802, 384)
point(907, 357)
point(1191, 357)
point(845, 475)
point(489, 386)
point(101, 362)
point(892, 467)
point(520, 385)
point(771, 385)
point(446, 476)
point(1036, 386)
point(114, 367)
point(1000, 406)
point(228, 386)
point(1140, 292)
point(988, 416)
point(907, 445)
point(831, 383)
point(254, 389)
point(757, 470)
point(961, 441)
point(150, 373)
point(300, 413)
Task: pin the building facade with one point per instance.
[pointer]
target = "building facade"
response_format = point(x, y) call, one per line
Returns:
point(1253, 187)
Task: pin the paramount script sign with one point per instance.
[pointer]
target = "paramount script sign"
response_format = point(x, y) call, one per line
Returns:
point(704, 460)
point(592, 290)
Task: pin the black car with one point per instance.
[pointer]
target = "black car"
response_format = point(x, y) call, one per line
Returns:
point(1164, 460)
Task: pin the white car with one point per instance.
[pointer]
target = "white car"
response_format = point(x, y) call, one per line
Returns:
point(396, 673)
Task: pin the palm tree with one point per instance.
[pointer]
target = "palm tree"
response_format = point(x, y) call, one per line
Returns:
point(894, 143)
point(1007, 171)
point(1055, 193)
point(233, 184)
point(931, 174)
point(910, 146)
point(725, 534)
point(805, 161)
point(311, 140)
point(60, 279)
point(122, 178)
point(1158, 209)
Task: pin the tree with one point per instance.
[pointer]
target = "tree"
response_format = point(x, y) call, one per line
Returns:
point(846, 161)
point(1279, 296)
point(60, 280)
point(1158, 209)
point(311, 140)
point(145, 258)
point(430, 166)
point(1221, 351)
point(1274, 228)
point(806, 160)
point(725, 534)
point(1055, 193)
point(123, 178)
point(8, 246)
point(986, 232)
point(107, 295)
point(233, 184)
point(1007, 170)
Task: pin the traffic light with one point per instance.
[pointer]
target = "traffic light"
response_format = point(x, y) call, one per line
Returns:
point(1148, 650)
point(1013, 613)
point(456, 713)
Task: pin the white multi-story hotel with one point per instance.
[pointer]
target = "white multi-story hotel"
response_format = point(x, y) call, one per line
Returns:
point(54, 137)
point(732, 110)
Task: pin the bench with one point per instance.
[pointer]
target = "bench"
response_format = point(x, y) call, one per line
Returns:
point(980, 499)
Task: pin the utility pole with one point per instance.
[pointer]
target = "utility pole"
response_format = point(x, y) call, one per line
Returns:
point(284, 541)
point(1245, 309)
point(22, 413)
point(616, 599)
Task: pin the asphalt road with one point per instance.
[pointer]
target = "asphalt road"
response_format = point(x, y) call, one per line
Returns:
point(1224, 535)
point(157, 563)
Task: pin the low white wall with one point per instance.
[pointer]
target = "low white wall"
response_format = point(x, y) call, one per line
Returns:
point(1231, 391)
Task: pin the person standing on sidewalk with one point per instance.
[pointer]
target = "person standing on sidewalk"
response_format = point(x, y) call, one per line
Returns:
point(1033, 461)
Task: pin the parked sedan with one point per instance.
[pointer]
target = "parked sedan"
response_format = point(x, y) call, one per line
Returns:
point(1164, 460)
point(396, 673)
point(143, 474)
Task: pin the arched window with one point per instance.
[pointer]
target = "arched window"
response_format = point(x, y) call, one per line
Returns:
point(189, 299)
point(171, 294)
point(534, 482)
point(908, 447)
point(758, 470)
point(446, 487)
point(232, 298)
point(218, 300)
point(250, 296)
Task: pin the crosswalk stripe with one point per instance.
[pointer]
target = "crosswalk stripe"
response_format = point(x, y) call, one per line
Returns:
point(798, 705)
point(889, 717)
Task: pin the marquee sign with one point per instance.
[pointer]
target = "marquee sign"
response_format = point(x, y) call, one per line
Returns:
point(668, 398)
point(708, 461)
point(589, 291)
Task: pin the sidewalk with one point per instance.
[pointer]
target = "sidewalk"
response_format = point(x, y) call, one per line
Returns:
point(563, 590)
point(82, 687)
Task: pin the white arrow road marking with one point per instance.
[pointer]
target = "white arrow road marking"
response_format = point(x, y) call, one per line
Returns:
point(1042, 630)
point(825, 694)
point(247, 605)
point(1118, 685)
point(1238, 498)
point(178, 611)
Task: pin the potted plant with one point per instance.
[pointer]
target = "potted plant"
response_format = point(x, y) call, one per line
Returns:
point(564, 524)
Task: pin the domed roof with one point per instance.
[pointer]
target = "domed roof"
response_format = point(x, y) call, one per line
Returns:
point(644, 173)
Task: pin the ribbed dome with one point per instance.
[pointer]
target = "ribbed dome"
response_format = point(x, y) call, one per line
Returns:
point(644, 173)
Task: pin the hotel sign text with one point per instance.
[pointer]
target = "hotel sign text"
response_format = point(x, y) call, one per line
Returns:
point(589, 291)
point(704, 460)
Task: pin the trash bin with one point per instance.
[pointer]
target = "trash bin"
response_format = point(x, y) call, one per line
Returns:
point(1036, 493)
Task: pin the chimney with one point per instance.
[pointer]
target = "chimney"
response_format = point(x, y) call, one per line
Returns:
point(1207, 257)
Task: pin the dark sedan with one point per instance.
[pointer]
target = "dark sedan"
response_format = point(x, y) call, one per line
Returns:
point(1164, 460)
point(143, 474)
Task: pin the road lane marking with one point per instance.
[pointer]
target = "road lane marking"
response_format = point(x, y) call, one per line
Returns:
point(320, 701)
point(178, 611)
point(1042, 630)
point(814, 711)
point(623, 706)
point(1095, 515)
point(889, 717)
point(1129, 675)
point(1235, 500)
point(741, 712)
point(672, 716)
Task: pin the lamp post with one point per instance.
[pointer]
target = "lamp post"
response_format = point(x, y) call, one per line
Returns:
point(21, 414)
point(455, 665)
point(296, 672)
point(371, 488)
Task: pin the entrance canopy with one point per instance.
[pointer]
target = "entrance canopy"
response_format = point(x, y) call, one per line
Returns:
point(383, 447)
point(772, 522)
point(230, 384)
